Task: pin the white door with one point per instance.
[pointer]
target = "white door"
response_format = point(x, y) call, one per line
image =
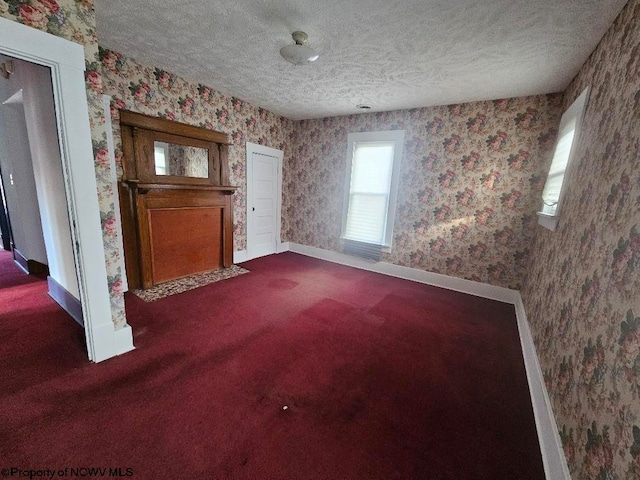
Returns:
point(264, 184)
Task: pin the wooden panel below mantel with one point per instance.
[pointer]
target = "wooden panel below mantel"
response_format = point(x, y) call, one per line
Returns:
point(177, 251)
point(180, 231)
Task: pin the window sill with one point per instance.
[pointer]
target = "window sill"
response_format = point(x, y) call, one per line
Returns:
point(383, 247)
point(548, 221)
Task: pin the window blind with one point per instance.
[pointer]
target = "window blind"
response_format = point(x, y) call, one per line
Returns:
point(553, 185)
point(369, 192)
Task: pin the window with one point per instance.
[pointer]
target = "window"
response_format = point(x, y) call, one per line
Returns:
point(373, 164)
point(568, 135)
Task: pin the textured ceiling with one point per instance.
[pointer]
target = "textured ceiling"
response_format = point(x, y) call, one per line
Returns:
point(390, 54)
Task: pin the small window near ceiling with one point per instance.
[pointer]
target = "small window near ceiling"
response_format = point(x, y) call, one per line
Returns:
point(373, 166)
point(555, 187)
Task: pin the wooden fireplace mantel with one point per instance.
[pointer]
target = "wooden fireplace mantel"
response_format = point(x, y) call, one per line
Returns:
point(226, 190)
point(173, 225)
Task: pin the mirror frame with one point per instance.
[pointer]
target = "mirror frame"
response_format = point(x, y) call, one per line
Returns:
point(145, 159)
point(140, 131)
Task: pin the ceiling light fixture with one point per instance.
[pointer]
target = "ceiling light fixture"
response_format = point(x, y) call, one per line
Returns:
point(299, 53)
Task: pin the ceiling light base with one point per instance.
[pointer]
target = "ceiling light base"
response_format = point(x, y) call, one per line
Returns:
point(299, 53)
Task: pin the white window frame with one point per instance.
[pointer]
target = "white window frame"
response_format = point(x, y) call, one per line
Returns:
point(549, 214)
point(396, 137)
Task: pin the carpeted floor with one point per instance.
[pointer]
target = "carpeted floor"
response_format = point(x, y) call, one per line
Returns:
point(382, 379)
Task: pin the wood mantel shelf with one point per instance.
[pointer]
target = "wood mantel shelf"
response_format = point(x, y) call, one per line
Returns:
point(175, 200)
point(227, 189)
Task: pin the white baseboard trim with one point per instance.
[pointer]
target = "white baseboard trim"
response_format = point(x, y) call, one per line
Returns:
point(283, 247)
point(478, 289)
point(240, 256)
point(111, 342)
point(123, 340)
point(553, 458)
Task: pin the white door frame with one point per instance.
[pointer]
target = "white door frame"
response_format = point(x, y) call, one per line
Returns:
point(279, 155)
point(67, 64)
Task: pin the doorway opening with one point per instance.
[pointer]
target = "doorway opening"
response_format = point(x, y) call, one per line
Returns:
point(34, 197)
point(66, 61)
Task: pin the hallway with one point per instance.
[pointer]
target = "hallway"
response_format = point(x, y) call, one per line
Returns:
point(26, 305)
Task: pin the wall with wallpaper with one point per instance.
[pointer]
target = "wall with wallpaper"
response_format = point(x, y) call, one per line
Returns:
point(153, 91)
point(150, 90)
point(582, 294)
point(75, 20)
point(471, 180)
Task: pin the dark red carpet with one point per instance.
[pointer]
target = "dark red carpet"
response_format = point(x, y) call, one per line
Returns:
point(383, 379)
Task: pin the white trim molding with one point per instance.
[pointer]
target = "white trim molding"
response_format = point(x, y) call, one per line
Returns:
point(112, 343)
point(478, 289)
point(553, 458)
point(67, 63)
point(240, 256)
point(283, 247)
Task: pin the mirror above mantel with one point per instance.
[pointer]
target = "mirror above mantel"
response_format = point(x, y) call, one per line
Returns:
point(175, 199)
point(171, 159)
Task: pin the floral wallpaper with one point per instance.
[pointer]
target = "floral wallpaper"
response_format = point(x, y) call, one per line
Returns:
point(471, 181)
point(70, 19)
point(75, 20)
point(153, 91)
point(582, 293)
